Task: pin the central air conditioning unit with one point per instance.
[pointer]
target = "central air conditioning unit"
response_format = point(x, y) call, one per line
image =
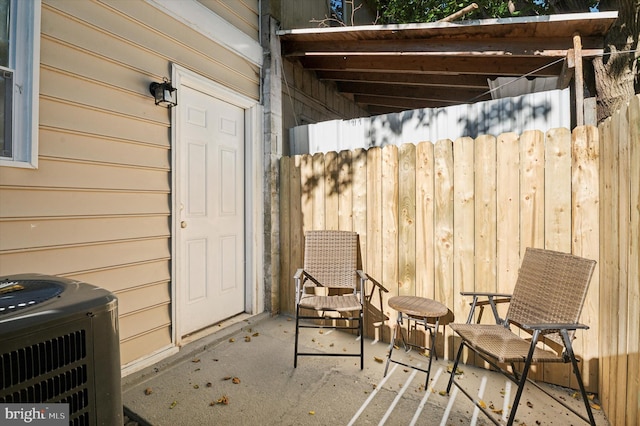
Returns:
point(60, 344)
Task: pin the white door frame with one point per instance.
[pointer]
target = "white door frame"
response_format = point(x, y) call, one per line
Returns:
point(254, 207)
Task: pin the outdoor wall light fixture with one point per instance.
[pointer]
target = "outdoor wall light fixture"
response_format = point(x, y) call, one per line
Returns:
point(164, 93)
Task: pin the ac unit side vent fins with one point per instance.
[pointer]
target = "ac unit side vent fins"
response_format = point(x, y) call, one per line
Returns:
point(42, 358)
point(69, 387)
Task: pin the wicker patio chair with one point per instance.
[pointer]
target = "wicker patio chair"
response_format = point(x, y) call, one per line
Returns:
point(330, 261)
point(546, 304)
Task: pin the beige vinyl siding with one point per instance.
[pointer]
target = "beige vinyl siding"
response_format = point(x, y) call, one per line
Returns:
point(98, 208)
point(243, 14)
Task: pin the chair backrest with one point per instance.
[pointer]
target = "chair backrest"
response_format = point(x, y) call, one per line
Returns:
point(551, 288)
point(331, 257)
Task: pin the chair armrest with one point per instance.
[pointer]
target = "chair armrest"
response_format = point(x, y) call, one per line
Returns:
point(555, 326)
point(363, 277)
point(491, 301)
point(376, 284)
point(301, 278)
point(486, 294)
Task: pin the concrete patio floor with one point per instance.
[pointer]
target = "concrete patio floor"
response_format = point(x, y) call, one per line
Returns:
point(243, 375)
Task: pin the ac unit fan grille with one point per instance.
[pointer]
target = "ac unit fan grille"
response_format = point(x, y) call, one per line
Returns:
point(49, 371)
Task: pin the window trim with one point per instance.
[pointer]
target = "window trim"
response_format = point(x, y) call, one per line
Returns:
point(25, 30)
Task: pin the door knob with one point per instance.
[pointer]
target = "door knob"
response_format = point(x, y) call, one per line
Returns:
point(183, 224)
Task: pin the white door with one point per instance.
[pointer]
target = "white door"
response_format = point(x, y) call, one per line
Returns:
point(210, 199)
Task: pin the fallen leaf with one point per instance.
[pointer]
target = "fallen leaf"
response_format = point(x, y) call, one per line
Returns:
point(331, 345)
point(529, 404)
point(223, 400)
point(255, 334)
point(196, 386)
point(450, 368)
point(482, 404)
point(312, 412)
point(209, 384)
point(595, 406)
point(148, 391)
point(320, 331)
point(195, 360)
point(247, 338)
point(173, 404)
point(227, 378)
point(232, 340)
point(442, 393)
point(497, 411)
point(235, 380)
point(377, 359)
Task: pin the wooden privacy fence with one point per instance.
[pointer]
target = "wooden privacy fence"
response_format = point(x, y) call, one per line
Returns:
point(437, 219)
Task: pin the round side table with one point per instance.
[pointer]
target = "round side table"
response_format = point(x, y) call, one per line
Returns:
point(417, 310)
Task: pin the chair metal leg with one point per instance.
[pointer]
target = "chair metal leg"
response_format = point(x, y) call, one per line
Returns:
point(361, 320)
point(295, 346)
point(523, 377)
point(455, 366)
point(393, 341)
point(576, 371)
point(432, 351)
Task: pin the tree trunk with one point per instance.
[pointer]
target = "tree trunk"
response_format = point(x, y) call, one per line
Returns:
point(616, 74)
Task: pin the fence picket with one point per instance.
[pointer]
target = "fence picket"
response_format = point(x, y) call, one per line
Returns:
point(345, 191)
point(624, 208)
point(585, 237)
point(508, 215)
point(443, 233)
point(407, 219)
point(331, 189)
point(424, 220)
point(557, 218)
point(633, 336)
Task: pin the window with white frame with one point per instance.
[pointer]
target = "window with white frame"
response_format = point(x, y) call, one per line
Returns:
point(19, 78)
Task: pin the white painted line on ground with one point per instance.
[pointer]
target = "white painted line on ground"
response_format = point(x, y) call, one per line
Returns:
point(374, 341)
point(427, 393)
point(397, 398)
point(507, 398)
point(452, 398)
point(375, 391)
point(476, 411)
